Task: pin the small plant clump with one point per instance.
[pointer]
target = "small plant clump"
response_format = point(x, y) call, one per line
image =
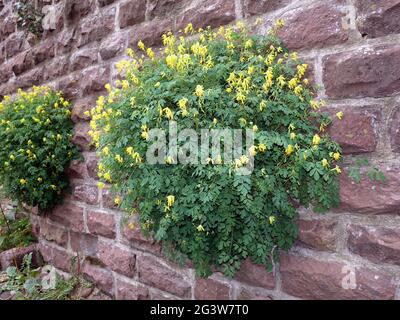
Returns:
point(35, 132)
point(218, 80)
point(28, 17)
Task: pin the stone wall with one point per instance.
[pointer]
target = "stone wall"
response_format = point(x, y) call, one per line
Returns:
point(353, 48)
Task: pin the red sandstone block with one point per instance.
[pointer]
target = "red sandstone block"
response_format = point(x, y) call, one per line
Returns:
point(113, 46)
point(80, 107)
point(86, 193)
point(165, 8)
point(131, 291)
point(102, 278)
point(255, 275)
point(206, 13)
point(84, 243)
point(364, 72)
point(210, 289)
point(371, 197)
point(154, 273)
point(55, 68)
point(257, 7)
point(84, 58)
point(253, 294)
point(92, 162)
point(378, 244)
point(318, 234)
point(315, 27)
point(357, 132)
point(53, 233)
point(131, 13)
point(395, 131)
point(59, 258)
point(69, 215)
point(309, 278)
point(81, 136)
point(117, 259)
point(150, 33)
point(94, 79)
point(378, 18)
point(102, 224)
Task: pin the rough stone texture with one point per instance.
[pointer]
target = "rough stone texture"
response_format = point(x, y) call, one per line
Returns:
point(163, 8)
point(102, 224)
point(102, 277)
point(80, 107)
point(315, 27)
point(395, 131)
point(81, 137)
point(83, 243)
point(131, 13)
point(378, 244)
point(86, 193)
point(318, 234)
point(54, 233)
point(309, 278)
point(208, 13)
point(365, 72)
point(256, 7)
point(149, 33)
point(255, 275)
point(119, 260)
point(69, 215)
point(210, 289)
point(113, 46)
point(357, 131)
point(155, 274)
point(372, 197)
point(130, 291)
point(253, 294)
point(378, 18)
point(59, 258)
point(16, 255)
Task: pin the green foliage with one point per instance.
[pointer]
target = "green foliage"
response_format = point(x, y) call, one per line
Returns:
point(28, 17)
point(35, 131)
point(15, 233)
point(207, 212)
point(26, 284)
point(373, 173)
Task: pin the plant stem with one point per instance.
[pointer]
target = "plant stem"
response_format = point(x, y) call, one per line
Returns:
point(9, 231)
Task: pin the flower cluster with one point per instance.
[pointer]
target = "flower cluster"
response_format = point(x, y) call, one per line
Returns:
point(218, 79)
point(35, 130)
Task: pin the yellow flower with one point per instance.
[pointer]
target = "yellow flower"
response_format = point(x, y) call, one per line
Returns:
point(248, 44)
point(280, 23)
point(169, 160)
point(39, 179)
point(336, 156)
point(118, 200)
point(188, 28)
point(145, 135)
point(129, 150)
point(244, 159)
point(325, 162)
point(215, 120)
point(141, 45)
point(150, 53)
point(200, 228)
point(271, 220)
point(289, 150)
point(337, 169)
point(12, 157)
point(168, 113)
point(292, 135)
point(199, 90)
point(253, 151)
point(170, 200)
point(262, 147)
point(255, 128)
point(22, 181)
point(182, 103)
point(339, 115)
point(101, 185)
point(316, 140)
point(118, 158)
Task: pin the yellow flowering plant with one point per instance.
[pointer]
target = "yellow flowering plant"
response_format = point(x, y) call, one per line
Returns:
point(218, 80)
point(36, 147)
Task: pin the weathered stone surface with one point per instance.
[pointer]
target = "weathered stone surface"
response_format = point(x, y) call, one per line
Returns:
point(78, 8)
point(131, 291)
point(103, 3)
point(66, 40)
point(59, 258)
point(152, 272)
point(84, 243)
point(212, 13)
point(256, 7)
point(44, 51)
point(309, 278)
point(395, 131)
point(371, 197)
point(255, 275)
point(80, 107)
point(96, 26)
point(210, 289)
point(117, 259)
point(150, 33)
point(133, 236)
point(8, 23)
point(101, 277)
point(92, 165)
point(314, 27)
point(31, 78)
point(101, 223)
point(378, 244)
point(81, 136)
point(21, 63)
point(16, 255)
point(57, 67)
point(54, 233)
point(113, 46)
point(70, 86)
point(131, 13)
point(108, 199)
point(165, 8)
point(84, 58)
point(357, 131)
point(16, 43)
point(53, 17)
point(365, 72)
point(253, 294)
point(378, 18)
point(94, 79)
point(68, 215)
point(77, 170)
point(318, 234)
point(86, 193)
